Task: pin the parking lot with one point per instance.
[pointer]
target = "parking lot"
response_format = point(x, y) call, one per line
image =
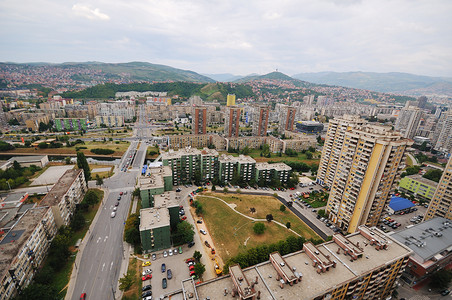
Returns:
point(404, 219)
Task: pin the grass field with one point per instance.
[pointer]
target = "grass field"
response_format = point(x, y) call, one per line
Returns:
point(233, 233)
point(134, 293)
point(408, 161)
point(104, 174)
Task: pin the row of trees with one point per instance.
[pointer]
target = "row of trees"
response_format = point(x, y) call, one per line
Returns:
point(260, 254)
point(16, 175)
point(102, 151)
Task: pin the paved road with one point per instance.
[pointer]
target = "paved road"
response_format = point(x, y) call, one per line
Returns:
point(98, 269)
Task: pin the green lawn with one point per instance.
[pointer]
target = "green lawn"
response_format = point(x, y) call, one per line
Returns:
point(317, 199)
point(230, 230)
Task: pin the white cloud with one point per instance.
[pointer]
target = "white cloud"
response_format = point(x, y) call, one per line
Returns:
point(86, 11)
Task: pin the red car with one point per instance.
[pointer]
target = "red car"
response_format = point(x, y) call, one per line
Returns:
point(192, 273)
point(83, 296)
point(120, 193)
point(191, 268)
point(189, 260)
point(146, 277)
point(184, 218)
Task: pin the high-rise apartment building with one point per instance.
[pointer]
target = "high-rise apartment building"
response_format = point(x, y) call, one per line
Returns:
point(441, 204)
point(408, 121)
point(309, 99)
point(199, 125)
point(367, 165)
point(287, 118)
point(260, 120)
point(232, 122)
point(442, 136)
point(230, 100)
point(332, 148)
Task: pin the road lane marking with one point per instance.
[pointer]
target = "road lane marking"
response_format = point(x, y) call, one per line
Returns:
point(99, 239)
point(103, 266)
point(111, 266)
point(105, 238)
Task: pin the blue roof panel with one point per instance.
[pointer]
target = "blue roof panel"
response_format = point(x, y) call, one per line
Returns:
point(399, 203)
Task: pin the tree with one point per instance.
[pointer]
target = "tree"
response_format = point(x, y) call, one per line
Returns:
point(45, 275)
point(16, 166)
point(288, 225)
point(197, 255)
point(38, 291)
point(126, 282)
point(282, 208)
point(83, 165)
point(269, 217)
point(136, 192)
point(214, 188)
point(225, 190)
point(441, 279)
point(259, 228)
point(200, 269)
point(42, 127)
point(67, 160)
point(132, 236)
point(321, 213)
point(91, 198)
point(185, 230)
point(309, 155)
point(99, 180)
point(433, 174)
point(78, 221)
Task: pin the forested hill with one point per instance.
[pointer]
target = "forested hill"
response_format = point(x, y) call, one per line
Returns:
point(213, 91)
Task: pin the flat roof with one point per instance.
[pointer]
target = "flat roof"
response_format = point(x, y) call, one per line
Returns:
point(181, 152)
point(399, 203)
point(417, 177)
point(15, 239)
point(275, 166)
point(60, 188)
point(167, 199)
point(22, 159)
point(312, 284)
point(242, 159)
point(154, 218)
point(427, 239)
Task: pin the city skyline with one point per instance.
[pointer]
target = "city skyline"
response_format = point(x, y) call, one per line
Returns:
point(233, 37)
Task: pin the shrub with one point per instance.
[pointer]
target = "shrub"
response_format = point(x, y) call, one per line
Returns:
point(102, 151)
point(259, 228)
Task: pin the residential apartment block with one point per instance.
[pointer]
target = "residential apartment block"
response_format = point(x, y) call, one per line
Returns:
point(266, 173)
point(230, 100)
point(408, 121)
point(24, 248)
point(117, 108)
point(110, 121)
point(332, 147)
point(243, 166)
point(260, 120)
point(232, 122)
point(418, 186)
point(363, 265)
point(442, 136)
point(65, 195)
point(199, 120)
point(441, 204)
point(365, 169)
point(286, 118)
point(154, 181)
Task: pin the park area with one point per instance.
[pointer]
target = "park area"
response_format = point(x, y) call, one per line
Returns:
point(233, 233)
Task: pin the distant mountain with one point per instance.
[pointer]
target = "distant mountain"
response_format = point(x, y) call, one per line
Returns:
point(403, 83)
point(276, 76)
point(223, 77)
point(132, 71)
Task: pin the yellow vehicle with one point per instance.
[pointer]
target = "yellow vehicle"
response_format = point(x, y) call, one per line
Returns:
point(146, 263)
point(218, 271)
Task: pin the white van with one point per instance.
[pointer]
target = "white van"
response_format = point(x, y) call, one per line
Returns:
point(113, 214)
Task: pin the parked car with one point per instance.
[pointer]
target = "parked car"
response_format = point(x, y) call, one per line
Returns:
point(199, 222)
point(146, 294)
point(146, 288)
point(203, 231)
point(113, 214)
point(445, 292)
point(146, 277)
point(164, 283)
point(146, 263)
point(154, 257)
point(169, 274)
point(163, 268)
point(184, 218)
point(170, 252)
point(191, 244)
point(83, 296)
point(180, 250)
point(165, 254)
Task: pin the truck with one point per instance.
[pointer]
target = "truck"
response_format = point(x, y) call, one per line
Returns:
point(218, 271)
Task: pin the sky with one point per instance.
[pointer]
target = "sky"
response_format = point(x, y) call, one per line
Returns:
point(234, 36)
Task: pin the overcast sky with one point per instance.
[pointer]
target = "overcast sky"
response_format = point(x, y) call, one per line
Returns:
point(234, 36)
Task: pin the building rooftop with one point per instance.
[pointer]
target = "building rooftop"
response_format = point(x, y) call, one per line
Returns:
point(275, 166)
point(15, 239)
point(181, 152)
point(167, 199)
point(209, 152)
point(154, 218)
point(423, 180)
point(399, 203)
point(60, 188)
point(242, 159)
point(261, 278)
point(427, 239)
point(154, 177)
point(22, 159)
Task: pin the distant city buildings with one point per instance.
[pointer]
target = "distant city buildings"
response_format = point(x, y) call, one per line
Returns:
point(230, 100)
point(286, 118)
point(232, 122)
point(199, 120)
point(260, 120)
point(408, 121)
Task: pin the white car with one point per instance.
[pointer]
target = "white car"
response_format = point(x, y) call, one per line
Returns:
point(113, 214)
point(203, 231)
point(165, 254)
point(170, 252)
point(115, 208)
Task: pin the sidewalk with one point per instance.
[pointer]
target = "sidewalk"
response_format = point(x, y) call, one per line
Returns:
point(73, 279)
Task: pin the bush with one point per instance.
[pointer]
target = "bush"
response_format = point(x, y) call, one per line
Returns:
point(101, 151)
point(282, 208)
point(269, 217)
point(259, 228)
